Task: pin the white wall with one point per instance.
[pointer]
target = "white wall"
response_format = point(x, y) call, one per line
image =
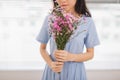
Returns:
point(20, 22)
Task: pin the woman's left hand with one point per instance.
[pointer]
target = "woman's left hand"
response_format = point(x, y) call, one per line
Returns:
point(62, 55)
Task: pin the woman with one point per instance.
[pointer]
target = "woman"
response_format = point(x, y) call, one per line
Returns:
point(70, 61)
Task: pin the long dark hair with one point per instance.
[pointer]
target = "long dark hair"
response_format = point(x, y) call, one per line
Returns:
point(80, 7)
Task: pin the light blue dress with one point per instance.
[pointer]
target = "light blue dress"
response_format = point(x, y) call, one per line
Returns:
point(85, 34)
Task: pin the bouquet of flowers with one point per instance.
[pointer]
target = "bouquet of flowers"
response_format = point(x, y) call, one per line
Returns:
point(62, 26)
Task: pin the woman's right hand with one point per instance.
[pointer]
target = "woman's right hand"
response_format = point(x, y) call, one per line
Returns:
point(56, 66)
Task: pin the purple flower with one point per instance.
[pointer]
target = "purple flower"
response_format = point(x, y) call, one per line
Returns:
point(62, 26)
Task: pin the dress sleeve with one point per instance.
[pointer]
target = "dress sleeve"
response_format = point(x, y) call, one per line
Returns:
point(43, 35)
point(91, 39)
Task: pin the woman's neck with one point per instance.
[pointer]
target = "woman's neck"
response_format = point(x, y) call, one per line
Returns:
point(74, 13)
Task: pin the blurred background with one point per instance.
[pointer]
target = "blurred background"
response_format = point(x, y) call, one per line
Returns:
point(20, 22)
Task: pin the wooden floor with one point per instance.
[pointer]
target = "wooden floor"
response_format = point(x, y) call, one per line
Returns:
point(36, 75)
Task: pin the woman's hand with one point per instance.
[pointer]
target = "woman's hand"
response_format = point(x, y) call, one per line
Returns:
point(56, 66)
point(62, 55)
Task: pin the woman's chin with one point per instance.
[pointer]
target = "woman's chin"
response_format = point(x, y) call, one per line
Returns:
point(67, 10)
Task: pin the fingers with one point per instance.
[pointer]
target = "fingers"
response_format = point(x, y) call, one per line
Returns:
point(57, 66)
point(59, 51)
point(61, 55)
point(59, 58)
point(62, 60)
point(57, 69)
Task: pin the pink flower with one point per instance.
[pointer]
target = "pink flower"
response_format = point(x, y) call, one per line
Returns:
point(56, 26)
point(62, 26)
point(71, 27)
